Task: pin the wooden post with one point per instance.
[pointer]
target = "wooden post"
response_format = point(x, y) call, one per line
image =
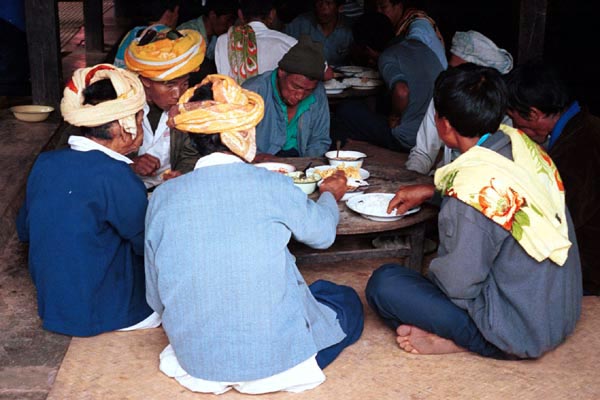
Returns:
point(532, 28)
point(43, 44)
point(93, 25)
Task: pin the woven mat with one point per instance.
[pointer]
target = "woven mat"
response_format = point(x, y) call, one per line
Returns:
point(125, 366)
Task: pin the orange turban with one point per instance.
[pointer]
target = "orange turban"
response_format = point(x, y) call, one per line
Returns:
point(166, 59)
point(233, 113)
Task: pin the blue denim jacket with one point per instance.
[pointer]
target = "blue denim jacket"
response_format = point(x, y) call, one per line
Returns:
point(233, 303)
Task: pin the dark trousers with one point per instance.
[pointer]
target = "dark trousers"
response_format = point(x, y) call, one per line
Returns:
point(353, 119)
point(345, 302)
point(400, 295)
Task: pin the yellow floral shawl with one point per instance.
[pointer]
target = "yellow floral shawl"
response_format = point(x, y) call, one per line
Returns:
point(525, 196)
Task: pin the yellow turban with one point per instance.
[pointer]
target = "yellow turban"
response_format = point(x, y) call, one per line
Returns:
point(233, 113)
point(166, 59)
point(130, 98)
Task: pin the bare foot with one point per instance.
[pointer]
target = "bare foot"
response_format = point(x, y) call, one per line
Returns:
point(417, 341)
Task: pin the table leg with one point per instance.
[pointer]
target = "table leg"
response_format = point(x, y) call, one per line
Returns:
point(417, 240)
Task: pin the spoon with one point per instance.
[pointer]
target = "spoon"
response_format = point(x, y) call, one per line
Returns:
point(303, 172)
point(338, 144)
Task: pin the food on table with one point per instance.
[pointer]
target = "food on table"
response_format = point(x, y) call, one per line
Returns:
point(351, 172)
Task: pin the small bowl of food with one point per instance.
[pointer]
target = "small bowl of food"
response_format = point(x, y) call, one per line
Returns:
point(31, 113)
point(308, 183)
point(347, 157)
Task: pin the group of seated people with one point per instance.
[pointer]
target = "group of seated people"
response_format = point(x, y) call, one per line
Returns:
point(207, 256)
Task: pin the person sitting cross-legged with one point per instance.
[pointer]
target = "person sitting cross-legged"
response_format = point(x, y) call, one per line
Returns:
point(236, 310)
point(506, 282)
point(84, 211)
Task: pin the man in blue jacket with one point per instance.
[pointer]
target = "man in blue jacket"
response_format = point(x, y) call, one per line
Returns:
point(84, 212)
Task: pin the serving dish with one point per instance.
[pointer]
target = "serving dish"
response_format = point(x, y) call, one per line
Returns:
point(276, 167)
point(349, 158)
point(31, 113)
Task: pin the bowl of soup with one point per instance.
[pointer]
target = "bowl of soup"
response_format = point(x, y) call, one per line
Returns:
point(348, 158)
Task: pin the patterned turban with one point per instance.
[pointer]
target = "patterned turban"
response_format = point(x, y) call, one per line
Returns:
point(166, 59)
point(233, 113)
point(476, 48)
point(130, 98)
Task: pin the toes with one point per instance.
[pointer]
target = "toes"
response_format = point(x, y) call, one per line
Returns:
point(403, 330)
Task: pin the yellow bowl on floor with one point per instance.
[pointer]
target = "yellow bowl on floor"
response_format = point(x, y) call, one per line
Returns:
point(31, 113)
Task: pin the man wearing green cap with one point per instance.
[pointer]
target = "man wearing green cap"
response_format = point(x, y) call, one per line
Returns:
point(296, 121)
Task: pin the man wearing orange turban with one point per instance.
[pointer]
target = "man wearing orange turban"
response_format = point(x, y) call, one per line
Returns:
point(218, 265)
point(164, 61)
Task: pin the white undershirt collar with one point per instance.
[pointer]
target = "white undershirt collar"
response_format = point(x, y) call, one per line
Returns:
point(81, 143)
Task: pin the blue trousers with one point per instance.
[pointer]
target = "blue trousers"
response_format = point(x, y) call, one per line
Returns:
point(400, 295)
point(345, 302)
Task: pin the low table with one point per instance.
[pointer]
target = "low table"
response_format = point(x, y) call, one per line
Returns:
point(354, 232)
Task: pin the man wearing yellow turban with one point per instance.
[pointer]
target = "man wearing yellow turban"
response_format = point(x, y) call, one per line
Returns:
point(218, 265)
point(164, 61)
point(84, 211)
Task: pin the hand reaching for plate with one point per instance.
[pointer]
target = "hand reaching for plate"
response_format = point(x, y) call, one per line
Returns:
point(411, 196)
point(335, 184)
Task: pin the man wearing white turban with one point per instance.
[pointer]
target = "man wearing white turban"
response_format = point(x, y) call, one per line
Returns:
point(473, 47)
point(84, 210)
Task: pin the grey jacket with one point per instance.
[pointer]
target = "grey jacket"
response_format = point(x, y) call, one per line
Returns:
point(313, 126)
point(522, 306)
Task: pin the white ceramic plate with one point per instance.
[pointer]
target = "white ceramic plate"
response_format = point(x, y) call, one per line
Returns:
point(372, 74)
point(373, 206)
point(333, 91)
point(362, 83)
point(351, 70)
point(277, 167)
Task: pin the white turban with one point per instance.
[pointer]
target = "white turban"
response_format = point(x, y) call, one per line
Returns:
point(474, 47)
point(130, 98)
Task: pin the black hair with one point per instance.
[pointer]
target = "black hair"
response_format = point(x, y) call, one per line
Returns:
point(192, 9)
point(472, 98)
point(96, 93)
point(256, 9)
point(374, 30)
point(203, 92)
point(337, 2)
point(536, 85)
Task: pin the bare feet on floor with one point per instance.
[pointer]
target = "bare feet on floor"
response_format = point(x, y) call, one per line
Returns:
point(417, 341)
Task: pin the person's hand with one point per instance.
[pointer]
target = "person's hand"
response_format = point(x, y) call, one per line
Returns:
point(263, 157)
point(145, 165)
point(328, 73)
point(336, 184)
point(411, 196)
point(400, 97)
point(168, 174)
point(393, 120)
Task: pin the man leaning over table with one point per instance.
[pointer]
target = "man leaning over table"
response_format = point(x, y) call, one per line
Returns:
point(236, 310)
point(84, 211)
point(164, 63)
point(296, 121)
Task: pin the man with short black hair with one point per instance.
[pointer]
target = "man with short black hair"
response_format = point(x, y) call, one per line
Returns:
point(541, 106)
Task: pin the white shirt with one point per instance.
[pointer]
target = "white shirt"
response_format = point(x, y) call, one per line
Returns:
point(81, 143)
point(271, 47)
point(158, 144)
